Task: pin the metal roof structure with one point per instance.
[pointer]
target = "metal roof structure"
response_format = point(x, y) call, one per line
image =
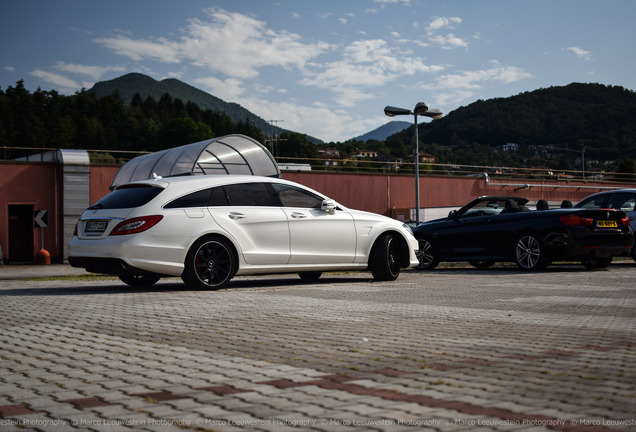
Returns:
point(230, 154)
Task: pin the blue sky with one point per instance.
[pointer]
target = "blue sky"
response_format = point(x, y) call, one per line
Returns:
point(325, 68)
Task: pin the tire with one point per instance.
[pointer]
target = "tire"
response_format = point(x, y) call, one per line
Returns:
point(139, 280)
point(596, 263)
point(210, 264)
point(482, 264)
point(385, 258)
point(426, 255)
point(530, 253)
point(310, 276)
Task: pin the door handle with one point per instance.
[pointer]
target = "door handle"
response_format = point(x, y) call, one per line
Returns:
point(298, 215)
point(234, 215)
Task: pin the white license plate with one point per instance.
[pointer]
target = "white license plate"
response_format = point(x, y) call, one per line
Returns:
point(96, 226)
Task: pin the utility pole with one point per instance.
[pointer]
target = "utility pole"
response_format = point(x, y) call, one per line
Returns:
point(274, 135)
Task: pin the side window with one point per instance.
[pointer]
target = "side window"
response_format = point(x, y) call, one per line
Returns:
point(250, 194)
point(195, 199)
point(203, 198)
point(485, 208)
point(593, 203)
point(218, 198)
point(621, 201)
point(292, 196)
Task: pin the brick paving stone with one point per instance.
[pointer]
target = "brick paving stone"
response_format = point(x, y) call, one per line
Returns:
point(454, 344)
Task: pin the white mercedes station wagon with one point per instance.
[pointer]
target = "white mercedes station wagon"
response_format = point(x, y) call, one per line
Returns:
point(207, 229)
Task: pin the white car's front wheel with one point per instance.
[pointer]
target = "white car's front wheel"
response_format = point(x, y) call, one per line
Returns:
point(384, 261)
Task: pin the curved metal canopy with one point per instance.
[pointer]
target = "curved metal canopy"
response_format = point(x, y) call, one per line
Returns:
point(230, 154)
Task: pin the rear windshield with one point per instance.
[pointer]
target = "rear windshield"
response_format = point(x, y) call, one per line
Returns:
point(127, 197)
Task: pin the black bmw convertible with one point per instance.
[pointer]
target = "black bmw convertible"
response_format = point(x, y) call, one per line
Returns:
point(490, 229)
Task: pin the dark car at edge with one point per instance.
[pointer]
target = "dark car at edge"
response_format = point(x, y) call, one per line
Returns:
point(491, 229)
point(618, 199)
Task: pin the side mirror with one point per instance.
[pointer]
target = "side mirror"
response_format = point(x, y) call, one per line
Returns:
point(328, 206)
point(452, 214)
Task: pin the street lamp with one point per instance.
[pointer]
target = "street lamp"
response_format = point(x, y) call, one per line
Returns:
point(420, 109)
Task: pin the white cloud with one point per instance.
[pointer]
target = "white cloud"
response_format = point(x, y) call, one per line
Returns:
point(365, 64)
point(456, 88)
point(440, 23)
point(449, 41)
point(387, 2)
point(476, 79)
point(581, 53)
point(160, 50)
point(229, 89)
point(95, 72)
point(340, 124)
point(62, 83)
point(230, 43)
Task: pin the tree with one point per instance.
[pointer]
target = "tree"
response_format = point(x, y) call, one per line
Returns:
point(626, 169)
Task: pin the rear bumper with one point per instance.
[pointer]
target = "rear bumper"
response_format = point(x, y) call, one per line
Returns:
point(111, 266)
point(583, 243)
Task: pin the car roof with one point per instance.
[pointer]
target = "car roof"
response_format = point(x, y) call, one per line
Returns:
point(605, 192)
point(203, 180)
point(197, 182)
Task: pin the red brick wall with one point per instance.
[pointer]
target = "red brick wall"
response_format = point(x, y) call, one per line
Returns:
point(31, 184)
point(37, 184)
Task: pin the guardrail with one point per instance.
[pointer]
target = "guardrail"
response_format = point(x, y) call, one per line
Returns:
point(358, 165)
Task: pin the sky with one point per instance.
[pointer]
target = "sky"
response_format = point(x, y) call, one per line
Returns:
point(326, 68)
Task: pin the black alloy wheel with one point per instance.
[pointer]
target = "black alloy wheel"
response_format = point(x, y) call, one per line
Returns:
point(209, 265)
point(385, 258)
point(530, 253)
point(426, 255)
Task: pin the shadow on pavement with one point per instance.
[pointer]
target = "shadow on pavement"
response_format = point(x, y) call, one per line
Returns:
point(173, 285)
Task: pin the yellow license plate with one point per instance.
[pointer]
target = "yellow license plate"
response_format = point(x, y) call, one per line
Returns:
point(606, 224)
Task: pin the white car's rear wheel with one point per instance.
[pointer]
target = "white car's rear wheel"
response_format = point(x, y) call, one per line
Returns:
point(210, 264)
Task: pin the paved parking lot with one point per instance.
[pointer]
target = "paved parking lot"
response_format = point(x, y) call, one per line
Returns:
point(455, 349)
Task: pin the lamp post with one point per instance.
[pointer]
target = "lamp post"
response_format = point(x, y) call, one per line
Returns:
point(420, 109)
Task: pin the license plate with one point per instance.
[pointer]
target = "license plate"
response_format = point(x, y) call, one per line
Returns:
point(606, 224)
point(96, 226)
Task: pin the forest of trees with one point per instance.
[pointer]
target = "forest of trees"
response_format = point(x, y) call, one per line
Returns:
point(592, 117)
point(46, 119)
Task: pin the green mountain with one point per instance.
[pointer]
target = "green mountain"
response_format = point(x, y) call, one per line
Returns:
point(381, 133)
point(130, 84)
point(549, 123)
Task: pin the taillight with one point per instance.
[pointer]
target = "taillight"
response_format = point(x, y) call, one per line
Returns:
point(136, 225)
point(572, 220)
point(625, 220)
